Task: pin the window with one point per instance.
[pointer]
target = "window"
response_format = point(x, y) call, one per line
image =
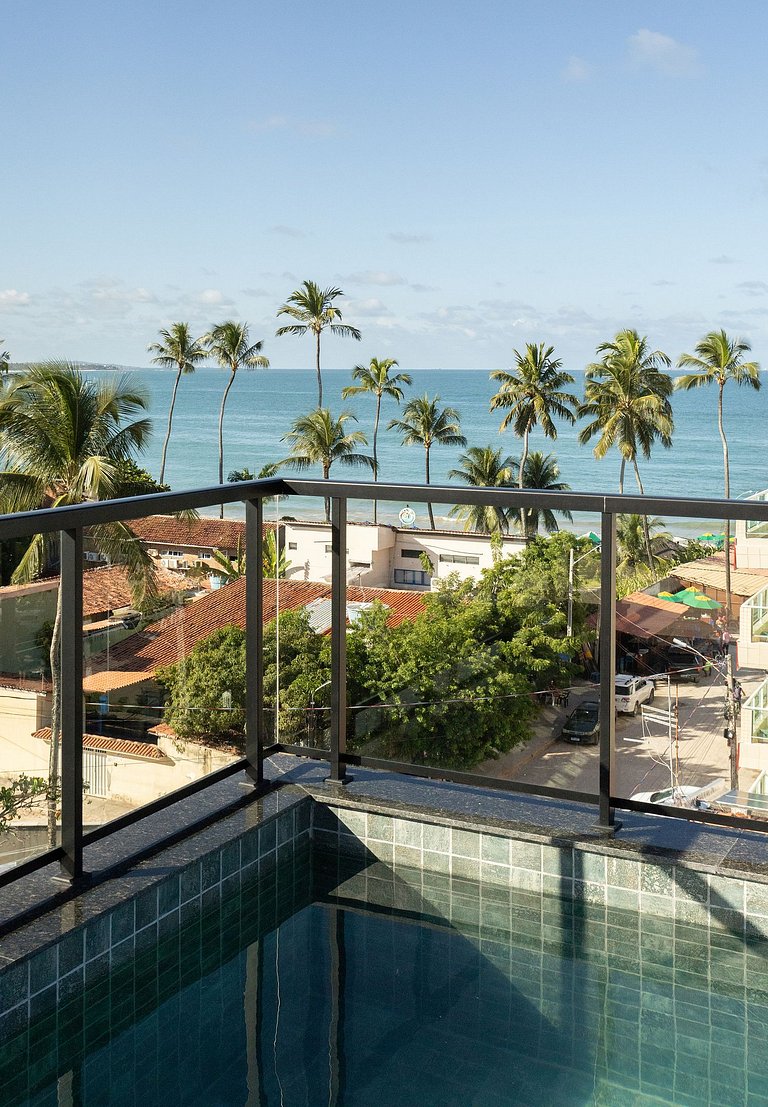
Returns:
point(411, 576)
point(329, 549)
point(460, 559)
point(410, 553)
point(293, 545)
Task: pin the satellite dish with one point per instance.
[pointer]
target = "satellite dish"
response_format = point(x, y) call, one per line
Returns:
point(407, 516)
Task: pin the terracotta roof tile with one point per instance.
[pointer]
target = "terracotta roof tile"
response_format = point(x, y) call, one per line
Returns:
point(104, 589)
point(122, 746)
point(162, 643)
point(222, 534)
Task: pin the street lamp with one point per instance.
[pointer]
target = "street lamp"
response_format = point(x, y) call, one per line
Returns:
point(730, 710)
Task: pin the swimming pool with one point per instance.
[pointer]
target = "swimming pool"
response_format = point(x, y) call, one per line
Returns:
point(348, 980)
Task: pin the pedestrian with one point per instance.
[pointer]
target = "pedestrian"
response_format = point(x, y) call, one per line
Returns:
point(708, 667)
point(738, 696)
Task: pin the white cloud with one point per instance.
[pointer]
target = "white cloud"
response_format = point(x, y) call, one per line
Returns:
point(753, 288)
point(211, 297)
point(11, 297)
point(724, 259)
point(652, 50)
point(371, 308)
point(663, 284)
point(406, 239)
point(577, 70)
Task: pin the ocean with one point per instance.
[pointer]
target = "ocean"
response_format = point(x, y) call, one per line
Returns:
point(263, 403)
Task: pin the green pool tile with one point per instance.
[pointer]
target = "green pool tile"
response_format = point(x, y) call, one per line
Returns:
point(408, 833)
point(557, 860)
point(465, 843)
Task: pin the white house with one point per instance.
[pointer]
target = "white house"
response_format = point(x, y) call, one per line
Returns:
point(382, 556)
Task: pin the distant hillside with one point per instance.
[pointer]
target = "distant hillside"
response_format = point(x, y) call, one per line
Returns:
point(86, 366)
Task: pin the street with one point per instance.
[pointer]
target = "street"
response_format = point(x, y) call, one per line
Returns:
point(642, 745)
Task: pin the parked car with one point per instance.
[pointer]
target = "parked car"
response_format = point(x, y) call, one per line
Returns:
point(679, 665)
point(631, 692)
point(582, 725)
point(680, 796)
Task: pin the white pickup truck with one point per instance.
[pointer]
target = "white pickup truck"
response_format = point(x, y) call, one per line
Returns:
point(631, 692)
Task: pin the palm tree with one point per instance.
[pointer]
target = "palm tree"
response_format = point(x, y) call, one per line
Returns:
point(5, 358)
point(630, 539)
point(425, 423)
point(626, 399)
point(274, 561)
point(228, 343)
point(64, 438)
point(483, 467)
point(719, 359)
point(376, 379)
point(542, 471)
point(532, 394)
point(176, 350)
point(319, 439)
point(313, 309)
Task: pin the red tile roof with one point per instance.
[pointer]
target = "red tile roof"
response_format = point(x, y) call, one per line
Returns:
point(162, 643)
point(122, 746)
point(104, 589)
point(203, 532)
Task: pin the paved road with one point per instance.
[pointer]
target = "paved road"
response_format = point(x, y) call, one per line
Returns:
point(642, 747)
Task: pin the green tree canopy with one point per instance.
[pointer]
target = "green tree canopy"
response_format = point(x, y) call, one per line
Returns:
point(178, 350)
point(66, 438)
point(230, 345)
point(718, 360)
point(313, 310)
point(483, 467)
point(377, 379)
point(533, 393)
point(319, 439)
point(426, 424)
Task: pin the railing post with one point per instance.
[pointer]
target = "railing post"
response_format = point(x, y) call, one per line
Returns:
point(607, 667)
point(71, 708)
point(338, 639)
point(254, 640)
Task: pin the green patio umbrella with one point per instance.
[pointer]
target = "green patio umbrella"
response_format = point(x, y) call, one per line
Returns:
point(693, 598)
point(718, 539)
point(668, 596)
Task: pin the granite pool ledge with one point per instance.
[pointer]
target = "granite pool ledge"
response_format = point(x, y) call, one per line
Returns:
point(77, 937)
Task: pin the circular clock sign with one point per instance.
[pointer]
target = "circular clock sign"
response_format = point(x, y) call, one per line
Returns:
point(407, 516)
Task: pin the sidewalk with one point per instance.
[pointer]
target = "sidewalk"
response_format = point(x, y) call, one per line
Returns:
point(546, 728)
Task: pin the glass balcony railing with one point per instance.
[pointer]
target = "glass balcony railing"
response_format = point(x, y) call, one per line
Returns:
point(416, 720)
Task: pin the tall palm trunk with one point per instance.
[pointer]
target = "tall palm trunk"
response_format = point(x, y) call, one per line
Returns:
point(375, 454)
point(426, 470)
point(644, 518)
point(727, 523)
point(230, 382)
point(521, 483)
point(317, 368)
point(621, 476)
point(53, 753)
point(170, 423)
point(326, 501)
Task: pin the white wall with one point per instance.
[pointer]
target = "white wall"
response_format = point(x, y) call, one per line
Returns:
point(375, 554)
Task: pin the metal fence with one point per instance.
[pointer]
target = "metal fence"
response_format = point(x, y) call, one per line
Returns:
point(71, 522)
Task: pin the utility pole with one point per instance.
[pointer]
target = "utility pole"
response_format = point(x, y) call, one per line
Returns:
point(730, 721)
point(569, 630)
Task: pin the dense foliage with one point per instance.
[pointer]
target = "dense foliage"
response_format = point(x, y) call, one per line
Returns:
point(450, 688)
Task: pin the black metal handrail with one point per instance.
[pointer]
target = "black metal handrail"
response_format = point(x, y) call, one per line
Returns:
point(71, 523)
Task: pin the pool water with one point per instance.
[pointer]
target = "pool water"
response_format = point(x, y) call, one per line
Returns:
point(337, 982)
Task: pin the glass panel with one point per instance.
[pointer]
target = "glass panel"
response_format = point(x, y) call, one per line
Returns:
point(164, 658)
point(28, 603)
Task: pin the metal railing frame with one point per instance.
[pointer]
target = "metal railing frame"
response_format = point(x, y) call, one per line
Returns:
point(71, 522)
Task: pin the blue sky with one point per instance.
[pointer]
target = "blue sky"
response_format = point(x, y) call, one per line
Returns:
point(473, 176)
